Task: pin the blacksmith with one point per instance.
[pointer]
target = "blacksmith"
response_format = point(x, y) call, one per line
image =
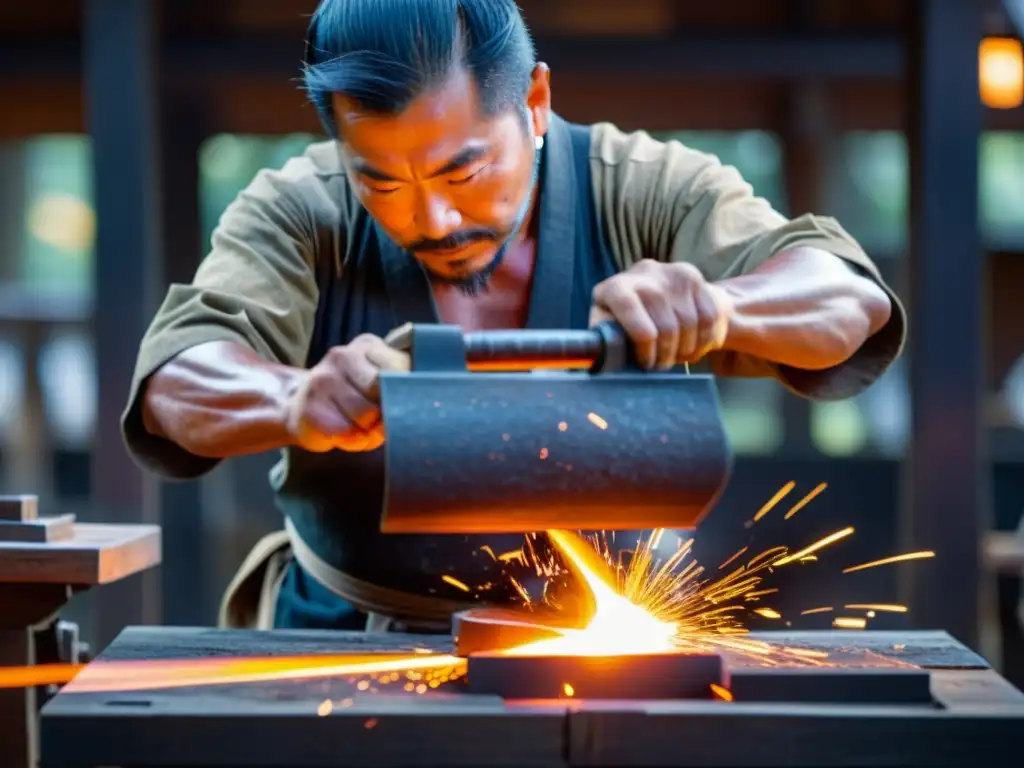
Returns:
point(450, 191)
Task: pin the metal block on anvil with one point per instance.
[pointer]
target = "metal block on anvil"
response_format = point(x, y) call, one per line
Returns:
point(526, 430)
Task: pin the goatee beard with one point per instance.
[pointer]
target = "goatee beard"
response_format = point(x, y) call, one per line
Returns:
point(473, 283)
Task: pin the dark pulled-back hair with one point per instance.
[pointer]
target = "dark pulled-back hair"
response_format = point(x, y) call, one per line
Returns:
point(385, 53)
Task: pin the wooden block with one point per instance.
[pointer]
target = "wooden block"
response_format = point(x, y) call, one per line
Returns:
point(40, 531)
point(19, 509)
point(95, 554)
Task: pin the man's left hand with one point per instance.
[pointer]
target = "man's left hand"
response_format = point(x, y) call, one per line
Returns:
point(670, 312)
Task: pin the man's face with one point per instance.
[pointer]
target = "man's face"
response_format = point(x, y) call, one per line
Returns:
point(445, 182)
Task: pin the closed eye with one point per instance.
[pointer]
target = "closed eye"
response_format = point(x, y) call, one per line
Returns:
point(380, 191)
point(468, 178)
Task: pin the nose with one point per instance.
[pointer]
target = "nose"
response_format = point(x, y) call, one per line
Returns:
point(436, 218)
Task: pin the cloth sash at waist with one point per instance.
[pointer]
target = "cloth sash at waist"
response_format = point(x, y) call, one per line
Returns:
point(422, 612)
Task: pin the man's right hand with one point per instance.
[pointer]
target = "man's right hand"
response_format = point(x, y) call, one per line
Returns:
point(336, 404)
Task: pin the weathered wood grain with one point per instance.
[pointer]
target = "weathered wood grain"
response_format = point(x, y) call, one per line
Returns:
point(204, 642)
point(928, 649)
point(95, 554)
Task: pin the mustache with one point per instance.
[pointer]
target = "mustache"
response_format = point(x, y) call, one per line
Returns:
point(455, 240)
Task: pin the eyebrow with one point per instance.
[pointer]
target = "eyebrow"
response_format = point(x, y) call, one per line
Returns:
point(460, 160)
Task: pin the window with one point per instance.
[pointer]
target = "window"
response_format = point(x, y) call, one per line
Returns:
point(869, 190)
point(757, 155)
point(876, 422)
point(1002, 190)
point(48, 226)
point(228, 162)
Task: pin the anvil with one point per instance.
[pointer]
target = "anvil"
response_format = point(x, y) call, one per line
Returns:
point(888, 699)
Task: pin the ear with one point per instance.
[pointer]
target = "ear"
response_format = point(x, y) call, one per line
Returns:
point(538, 98)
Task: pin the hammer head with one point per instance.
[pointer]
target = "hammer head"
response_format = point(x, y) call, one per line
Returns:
point(499, 452)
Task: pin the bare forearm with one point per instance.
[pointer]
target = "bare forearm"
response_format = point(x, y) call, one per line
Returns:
point(219, 400)
point(804, 308)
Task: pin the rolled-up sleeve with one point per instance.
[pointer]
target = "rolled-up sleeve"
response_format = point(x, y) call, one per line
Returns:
point(665, 201)
point(256, 287)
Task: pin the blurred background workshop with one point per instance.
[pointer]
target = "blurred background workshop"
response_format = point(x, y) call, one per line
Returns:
point(127, 126)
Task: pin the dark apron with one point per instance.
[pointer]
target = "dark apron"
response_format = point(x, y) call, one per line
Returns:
point(334, 500)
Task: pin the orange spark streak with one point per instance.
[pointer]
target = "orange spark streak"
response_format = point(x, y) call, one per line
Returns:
point(805, 500)
point(733, 558)
point(779, 496)
point(889, 560)
point(808, 612)
point(43, 674)
point(877, 607)
point(516, 554)
point(720, 693)
point(820, 544)
point(768, 613)
point(597, 421)
point(454, 582)
point(152, 675)
point(842, 622)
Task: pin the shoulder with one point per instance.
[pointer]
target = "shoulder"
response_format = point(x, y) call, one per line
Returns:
point(637, 152)
point(312, 185)
point(646, 190)
point(637, 172)
point(637, 176)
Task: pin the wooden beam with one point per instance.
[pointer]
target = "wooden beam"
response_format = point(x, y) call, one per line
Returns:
point(947, 476)
point(719, 53)
point(121, 71)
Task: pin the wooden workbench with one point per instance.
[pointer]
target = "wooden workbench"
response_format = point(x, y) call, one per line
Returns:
point(36, 580)
point(976, 718)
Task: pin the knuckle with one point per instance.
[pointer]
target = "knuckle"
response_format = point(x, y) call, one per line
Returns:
point(647, 265)
point(644, 334)
point(684, 268)
point(652, 293)
point(362, 341)
point(683, 275)
point(339, 356)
